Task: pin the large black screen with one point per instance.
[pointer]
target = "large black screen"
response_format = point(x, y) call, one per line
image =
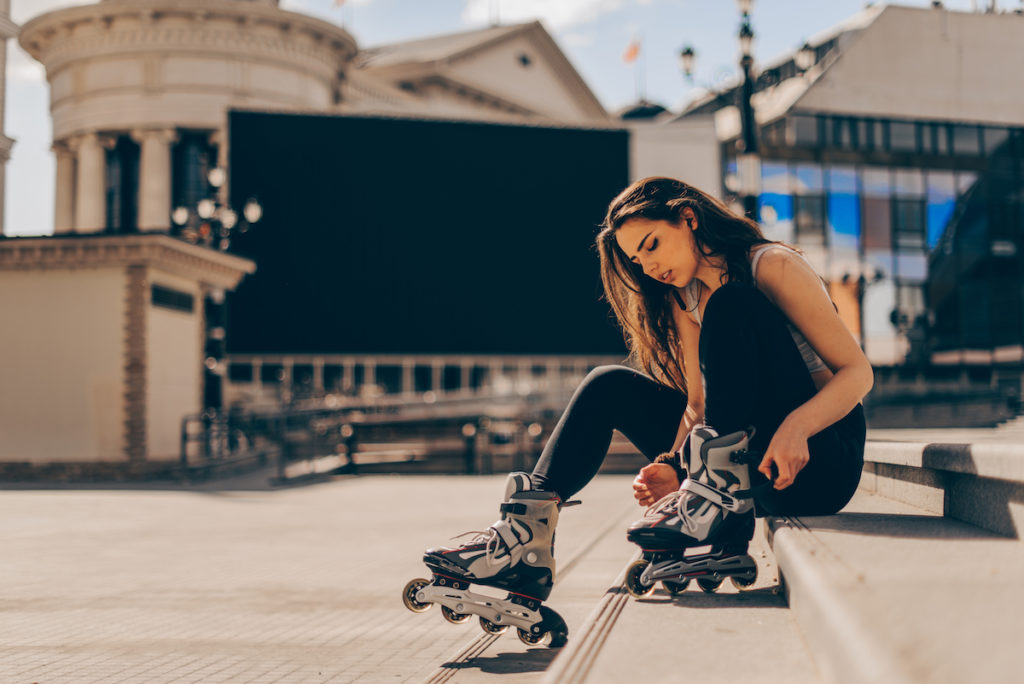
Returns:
point(388, 235)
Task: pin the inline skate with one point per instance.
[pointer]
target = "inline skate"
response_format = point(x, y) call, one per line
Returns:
point(515, 554)
point(712, 508)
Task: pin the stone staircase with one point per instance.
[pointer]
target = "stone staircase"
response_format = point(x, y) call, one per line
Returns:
point(919, 579)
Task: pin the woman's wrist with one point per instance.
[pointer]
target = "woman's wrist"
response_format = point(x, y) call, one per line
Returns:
point(673, 460)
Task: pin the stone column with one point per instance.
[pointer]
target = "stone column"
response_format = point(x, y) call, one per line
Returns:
point(64, 204)
point(90, 202)
point(7, 30)
point(154, 178)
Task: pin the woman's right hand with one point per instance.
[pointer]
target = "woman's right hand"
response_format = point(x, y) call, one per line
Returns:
point(653, 482)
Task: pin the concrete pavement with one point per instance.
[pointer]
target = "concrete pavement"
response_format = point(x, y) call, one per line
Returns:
point(298, 585)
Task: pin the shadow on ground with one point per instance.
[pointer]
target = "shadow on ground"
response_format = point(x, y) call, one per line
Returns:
point(533, 660)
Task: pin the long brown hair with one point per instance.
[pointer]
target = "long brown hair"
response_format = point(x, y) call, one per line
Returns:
point(643, 305)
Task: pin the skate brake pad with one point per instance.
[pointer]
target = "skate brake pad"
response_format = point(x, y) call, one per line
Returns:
point(572, 502)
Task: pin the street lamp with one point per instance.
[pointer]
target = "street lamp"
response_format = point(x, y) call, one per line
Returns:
point(748, 163)
point(687, 56)
point(211, 222)
point(805, 57)
point(747, 182)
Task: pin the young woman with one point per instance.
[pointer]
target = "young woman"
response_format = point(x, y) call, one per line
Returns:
point(725, 329)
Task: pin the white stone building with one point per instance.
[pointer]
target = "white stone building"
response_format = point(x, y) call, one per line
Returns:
point(140, 92)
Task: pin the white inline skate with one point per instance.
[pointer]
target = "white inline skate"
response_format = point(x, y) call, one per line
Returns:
point(515, 554)
point(713, 508)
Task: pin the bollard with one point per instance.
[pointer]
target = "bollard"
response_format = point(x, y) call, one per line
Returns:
point(469, 435)
point(536, 433)
point(348, 436)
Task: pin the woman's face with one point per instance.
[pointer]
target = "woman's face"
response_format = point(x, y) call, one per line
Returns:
point(667, 252)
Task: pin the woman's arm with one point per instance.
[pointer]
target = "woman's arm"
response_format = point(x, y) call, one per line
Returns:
point(793, 285)
point(689, 335)
point(657, 479)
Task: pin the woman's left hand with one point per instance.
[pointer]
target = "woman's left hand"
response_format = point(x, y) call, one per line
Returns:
point(788, 451)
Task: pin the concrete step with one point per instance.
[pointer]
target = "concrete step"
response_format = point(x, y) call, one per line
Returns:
point(723, 637)
point(981, 483)
point(887, 592)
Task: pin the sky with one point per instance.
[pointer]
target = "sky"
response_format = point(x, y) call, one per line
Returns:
point(592, 33)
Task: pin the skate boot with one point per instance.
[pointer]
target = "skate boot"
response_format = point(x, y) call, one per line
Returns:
point(515, 554)
point(713, 508)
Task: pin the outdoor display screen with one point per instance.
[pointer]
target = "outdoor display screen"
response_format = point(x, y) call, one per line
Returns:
point(388, 235)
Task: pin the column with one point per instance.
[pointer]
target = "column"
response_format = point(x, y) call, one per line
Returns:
point(64, 204)
point(90, 202)
point(154, 178)
point(5, 156)
point(436, 374)
point(408, 376)
point(318, 376)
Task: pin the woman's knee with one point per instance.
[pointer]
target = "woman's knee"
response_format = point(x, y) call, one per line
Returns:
point(607, 379)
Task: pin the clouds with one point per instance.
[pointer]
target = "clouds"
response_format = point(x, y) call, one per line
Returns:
point(22, 68)
point(23, 10)
point(557, 16)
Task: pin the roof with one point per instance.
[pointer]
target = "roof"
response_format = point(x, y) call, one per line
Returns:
point(435, 48)
point(864, 68)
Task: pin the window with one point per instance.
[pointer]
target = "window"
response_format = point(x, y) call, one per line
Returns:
point(994, 138)
point(843, 208)
point(122, 186)
point(937, 141)
point(810, 219)
point(908, 222)
point(804, 130)
point(902, 136)
point(966, 140)
point(192, 159)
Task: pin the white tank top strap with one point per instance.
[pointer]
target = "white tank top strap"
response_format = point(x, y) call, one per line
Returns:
point(756, 255)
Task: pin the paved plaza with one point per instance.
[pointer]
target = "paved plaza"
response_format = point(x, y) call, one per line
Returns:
point(296, 585)
point(302, 584)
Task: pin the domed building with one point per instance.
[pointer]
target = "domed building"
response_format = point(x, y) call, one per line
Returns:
point(140, 91)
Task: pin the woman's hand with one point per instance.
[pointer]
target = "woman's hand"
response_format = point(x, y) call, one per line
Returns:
point(653, 482)
point(788, 451)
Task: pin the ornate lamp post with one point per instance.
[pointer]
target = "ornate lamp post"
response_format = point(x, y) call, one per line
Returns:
point(211, 223)
point(748, 162)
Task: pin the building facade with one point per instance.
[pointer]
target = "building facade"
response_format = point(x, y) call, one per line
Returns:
point(886, 164)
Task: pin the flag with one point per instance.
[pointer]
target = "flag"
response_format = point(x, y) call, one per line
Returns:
point(632, 51)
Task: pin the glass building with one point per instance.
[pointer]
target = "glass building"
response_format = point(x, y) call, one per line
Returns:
point(912, 212)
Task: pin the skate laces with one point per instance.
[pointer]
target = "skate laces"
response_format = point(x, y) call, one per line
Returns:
point(491, 540)
point(665, 504)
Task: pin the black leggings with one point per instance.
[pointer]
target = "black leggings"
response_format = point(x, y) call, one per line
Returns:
point(753, 375)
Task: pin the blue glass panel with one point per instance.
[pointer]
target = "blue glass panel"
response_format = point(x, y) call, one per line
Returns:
point(842, 179)
point(809, 179)
point(775, 177)
point(941, 202)
point(844, 221)
point(776, 211)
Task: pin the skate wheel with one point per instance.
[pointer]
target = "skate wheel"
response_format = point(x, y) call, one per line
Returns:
point(453, 617)
point(633, 583)
point(742, 582)
point(557, 630)
point(530, 638)
point(492, 628)
point(675, 588)
point(708, 584)
point(409, 595)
